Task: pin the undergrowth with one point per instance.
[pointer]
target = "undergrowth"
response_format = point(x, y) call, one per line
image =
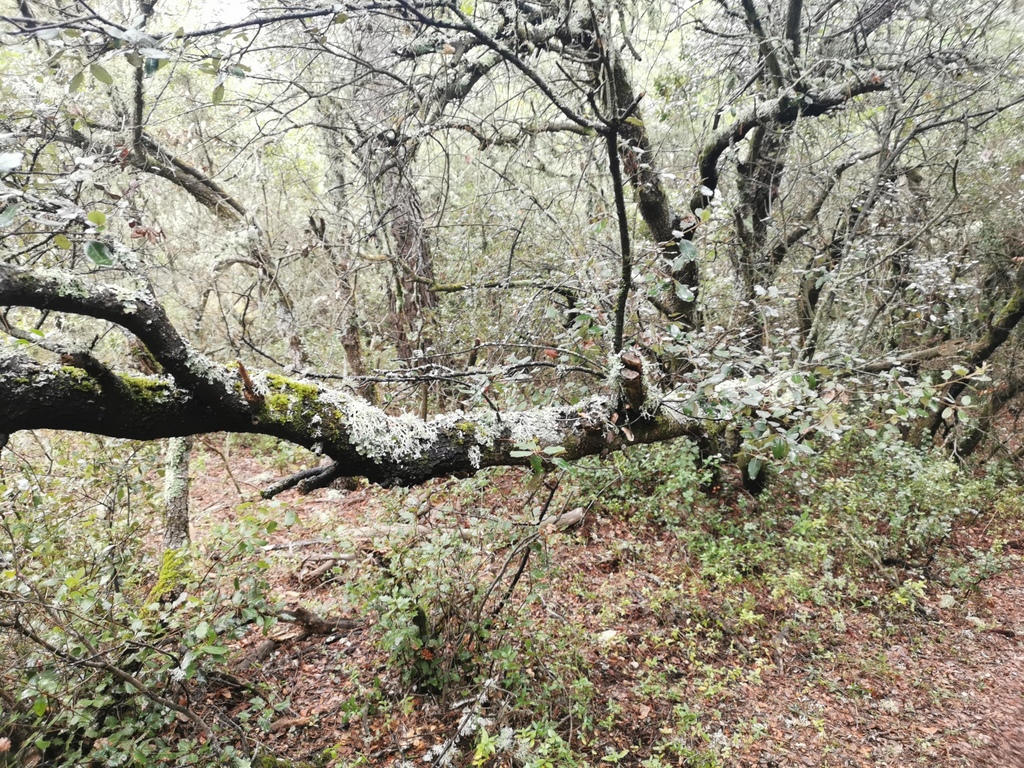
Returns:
point(677, 589)
point(97, 668)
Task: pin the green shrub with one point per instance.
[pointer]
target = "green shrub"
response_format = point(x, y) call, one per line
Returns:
point(659, 483)
point(895, 505)
point(96, 662)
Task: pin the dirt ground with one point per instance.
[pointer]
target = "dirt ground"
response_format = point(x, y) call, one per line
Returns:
point(942, 688)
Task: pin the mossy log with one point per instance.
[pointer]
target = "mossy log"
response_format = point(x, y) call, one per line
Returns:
point(197, 395)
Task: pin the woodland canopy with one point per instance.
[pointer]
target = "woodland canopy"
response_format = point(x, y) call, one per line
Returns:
point(422, 238)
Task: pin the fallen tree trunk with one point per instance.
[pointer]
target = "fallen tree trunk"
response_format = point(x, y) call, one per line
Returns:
point(198, 395)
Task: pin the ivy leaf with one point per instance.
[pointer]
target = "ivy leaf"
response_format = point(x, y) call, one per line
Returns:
point(218, 94)
point(98, 253)
point(99, 218)
point(754, 468)
point(101, 74)
point(76, 82)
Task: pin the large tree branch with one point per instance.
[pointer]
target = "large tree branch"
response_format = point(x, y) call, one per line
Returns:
point(363, 440)
point(783, 110)
point(203, 396)
point(207, 192)
point(135, 310)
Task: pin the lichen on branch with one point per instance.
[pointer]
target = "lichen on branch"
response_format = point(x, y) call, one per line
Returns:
point(199, 395)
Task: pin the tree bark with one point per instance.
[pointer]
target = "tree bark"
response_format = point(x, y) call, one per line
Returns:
point(176, 489)
point(199, 396)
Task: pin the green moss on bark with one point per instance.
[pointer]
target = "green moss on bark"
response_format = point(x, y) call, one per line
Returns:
point(143, 389)
point(174, 575)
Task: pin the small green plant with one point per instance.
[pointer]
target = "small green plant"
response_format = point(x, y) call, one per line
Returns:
point(96, 658)
point(660, 483)
point(435, 601)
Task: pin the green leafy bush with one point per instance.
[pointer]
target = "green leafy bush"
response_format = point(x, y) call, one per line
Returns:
point(898, 506)
point(99, 661)
point(659, 483)
point(435, 600)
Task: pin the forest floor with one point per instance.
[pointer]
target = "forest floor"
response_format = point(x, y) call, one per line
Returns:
point(647, 661)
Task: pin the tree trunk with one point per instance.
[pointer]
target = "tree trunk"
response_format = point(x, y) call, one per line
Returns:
point(338, 248)
point(176, 488)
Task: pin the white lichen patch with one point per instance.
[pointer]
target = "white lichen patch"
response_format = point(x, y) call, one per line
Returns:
point(261, 385)
point(594, 412)
point(65, 284)
point(378, 436)
point(651, 376)
point(403, 438)
point(545, 426)
point(200, 365)
point(176, 476)
point(614, 371)
point(128, 298)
